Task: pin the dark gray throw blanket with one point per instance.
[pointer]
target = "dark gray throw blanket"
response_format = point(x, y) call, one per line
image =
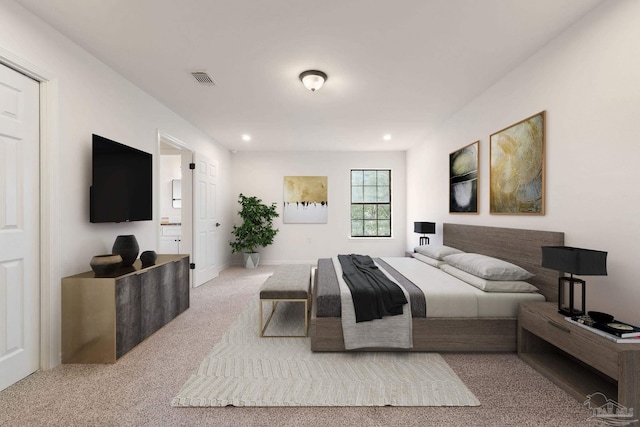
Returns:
point(374, 294)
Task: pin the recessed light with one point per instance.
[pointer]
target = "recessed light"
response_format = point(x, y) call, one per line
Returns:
point(246, 137)
point(387, 137)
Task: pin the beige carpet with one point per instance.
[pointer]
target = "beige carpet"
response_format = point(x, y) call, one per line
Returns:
point(138, 389)
point(246, 370)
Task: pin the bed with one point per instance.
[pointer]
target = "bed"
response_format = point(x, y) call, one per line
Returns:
point(495, 333)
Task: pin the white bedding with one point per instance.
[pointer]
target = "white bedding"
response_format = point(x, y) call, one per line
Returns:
point(448, 296)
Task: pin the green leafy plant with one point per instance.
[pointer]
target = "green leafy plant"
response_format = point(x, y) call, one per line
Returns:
point(257, 226)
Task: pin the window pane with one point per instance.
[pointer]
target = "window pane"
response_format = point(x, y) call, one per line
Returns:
point(384, 228)
point(383, 194)
point(357, 195)
point(357, 177)
point(357, 212)
point(370, 194)
point(384, 212)
point(370, 178)
point(370, 211)
point(357, 228)
point(371, 228)
point(383, 177)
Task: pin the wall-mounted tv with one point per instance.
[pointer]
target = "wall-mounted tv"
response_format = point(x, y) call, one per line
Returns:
point(122, 183)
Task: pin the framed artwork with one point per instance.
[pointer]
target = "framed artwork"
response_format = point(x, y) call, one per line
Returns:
point(305, 200)
point(463, 179)
point(516, 181)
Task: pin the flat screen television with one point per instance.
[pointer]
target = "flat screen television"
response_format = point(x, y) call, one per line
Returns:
point(121, 190)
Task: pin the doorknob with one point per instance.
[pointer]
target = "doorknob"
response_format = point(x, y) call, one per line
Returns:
point(217, 224)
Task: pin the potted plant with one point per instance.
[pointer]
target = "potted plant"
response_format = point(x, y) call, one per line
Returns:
point(256, 229)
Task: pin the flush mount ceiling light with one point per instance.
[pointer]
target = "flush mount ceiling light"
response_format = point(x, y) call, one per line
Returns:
point(313, 79)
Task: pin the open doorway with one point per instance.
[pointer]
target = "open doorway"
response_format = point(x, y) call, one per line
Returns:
point(174, 203)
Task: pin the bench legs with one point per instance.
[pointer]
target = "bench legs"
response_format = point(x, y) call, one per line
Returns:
point(274, 303)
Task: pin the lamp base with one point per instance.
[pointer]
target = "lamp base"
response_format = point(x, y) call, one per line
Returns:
point(570, 310)
point(424, 240)
point(566, 311)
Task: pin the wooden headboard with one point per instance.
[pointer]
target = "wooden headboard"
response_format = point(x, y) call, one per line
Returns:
point(520, 247)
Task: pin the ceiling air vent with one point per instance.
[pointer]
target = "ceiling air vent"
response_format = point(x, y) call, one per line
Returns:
point(203, 78)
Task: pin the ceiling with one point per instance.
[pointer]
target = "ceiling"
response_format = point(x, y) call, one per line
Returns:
point(397, 67)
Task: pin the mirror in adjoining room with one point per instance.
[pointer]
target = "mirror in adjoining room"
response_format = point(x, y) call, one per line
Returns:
point(176, 193)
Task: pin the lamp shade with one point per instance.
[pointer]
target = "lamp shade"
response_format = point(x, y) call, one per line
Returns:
point(583, 262)
point(424, 227)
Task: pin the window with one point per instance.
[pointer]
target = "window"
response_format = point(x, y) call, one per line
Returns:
point(370, 203)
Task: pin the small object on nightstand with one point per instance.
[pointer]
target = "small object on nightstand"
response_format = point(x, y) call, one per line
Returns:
point(619, 328)
point(600, 317)
point(606, 323)
point(584, 320)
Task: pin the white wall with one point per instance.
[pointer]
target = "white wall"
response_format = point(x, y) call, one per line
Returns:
point(94, 99)
point(587, 81)
point(261, 174)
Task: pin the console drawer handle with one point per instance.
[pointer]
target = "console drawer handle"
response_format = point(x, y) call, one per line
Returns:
point(559, 326)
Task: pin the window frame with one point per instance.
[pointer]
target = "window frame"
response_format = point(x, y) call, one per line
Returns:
point(352, 203)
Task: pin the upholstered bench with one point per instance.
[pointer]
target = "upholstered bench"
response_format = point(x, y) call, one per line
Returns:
point(289, 283)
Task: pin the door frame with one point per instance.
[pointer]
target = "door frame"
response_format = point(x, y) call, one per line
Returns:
point(49, 231)
point(185, 216)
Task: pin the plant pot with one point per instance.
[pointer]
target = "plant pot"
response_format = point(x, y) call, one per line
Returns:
point(127, 247)
point(251, 260)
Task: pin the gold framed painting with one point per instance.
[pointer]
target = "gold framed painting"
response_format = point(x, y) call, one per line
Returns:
point(463, 179)
point(517, 168)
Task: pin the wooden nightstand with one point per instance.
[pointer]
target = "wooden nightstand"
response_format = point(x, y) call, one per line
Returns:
point(577, 360)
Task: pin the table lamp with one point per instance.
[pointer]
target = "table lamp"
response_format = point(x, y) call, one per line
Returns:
point(583, 262)
point(424, 228)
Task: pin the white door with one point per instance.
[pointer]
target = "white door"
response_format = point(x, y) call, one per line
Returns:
point(205, 177)
point(19, 226)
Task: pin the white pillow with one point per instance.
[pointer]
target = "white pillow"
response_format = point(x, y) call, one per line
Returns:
point(431, 261)
point(489, 285)
point(487, 267)
point(436, 251)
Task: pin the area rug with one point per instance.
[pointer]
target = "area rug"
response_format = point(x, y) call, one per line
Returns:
point(246, 370)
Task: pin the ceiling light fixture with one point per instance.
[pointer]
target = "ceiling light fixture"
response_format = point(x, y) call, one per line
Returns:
point(313, 79)
point(387, 137)
point(246, 137)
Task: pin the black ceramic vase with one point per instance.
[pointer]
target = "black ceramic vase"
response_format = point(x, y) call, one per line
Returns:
point(148, 258)
point(127, 247)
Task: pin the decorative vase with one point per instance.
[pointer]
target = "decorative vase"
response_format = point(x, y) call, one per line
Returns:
point(105, 265)
point(251, 260)
point(127, 247)
point(148, 258)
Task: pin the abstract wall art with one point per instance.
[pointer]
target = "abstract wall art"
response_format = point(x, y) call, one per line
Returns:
point(517, 168)
point(305, 200)
point(463, 179)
